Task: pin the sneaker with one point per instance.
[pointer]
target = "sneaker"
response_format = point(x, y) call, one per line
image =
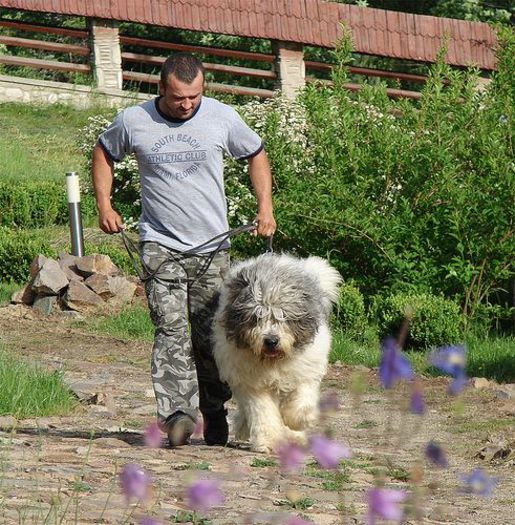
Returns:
point(179, 427)
point(216, 429)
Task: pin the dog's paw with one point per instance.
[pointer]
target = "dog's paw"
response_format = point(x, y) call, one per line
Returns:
point(300, 417)
point(263, 448)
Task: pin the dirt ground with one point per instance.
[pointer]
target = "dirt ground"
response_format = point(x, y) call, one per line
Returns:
point(60, 470)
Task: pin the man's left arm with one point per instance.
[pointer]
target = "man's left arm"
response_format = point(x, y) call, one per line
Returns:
point(261, 178)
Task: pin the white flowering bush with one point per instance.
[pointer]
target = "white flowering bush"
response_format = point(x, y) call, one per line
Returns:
point(126, 183)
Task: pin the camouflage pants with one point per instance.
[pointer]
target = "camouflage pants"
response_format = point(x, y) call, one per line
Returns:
point(184, 373)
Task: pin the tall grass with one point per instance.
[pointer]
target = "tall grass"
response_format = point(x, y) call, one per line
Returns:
point(40, 141)
point(27, 390)
point(131, 323)
point(491, 357)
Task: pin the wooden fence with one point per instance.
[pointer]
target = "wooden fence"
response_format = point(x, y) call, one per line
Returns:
point(81, 47)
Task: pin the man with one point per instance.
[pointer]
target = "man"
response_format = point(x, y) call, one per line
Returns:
point(179, 140)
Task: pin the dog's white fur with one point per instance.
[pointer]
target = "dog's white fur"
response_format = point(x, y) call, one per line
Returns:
point(277, 390)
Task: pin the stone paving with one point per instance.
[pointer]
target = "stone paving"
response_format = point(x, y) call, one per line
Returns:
point(61, 470)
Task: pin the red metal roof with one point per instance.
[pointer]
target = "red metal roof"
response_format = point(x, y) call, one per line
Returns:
point(375, 31)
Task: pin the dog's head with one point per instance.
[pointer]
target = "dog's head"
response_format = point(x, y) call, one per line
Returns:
point(273, 307)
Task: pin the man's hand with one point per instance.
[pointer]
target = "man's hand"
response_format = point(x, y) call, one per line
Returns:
point(266, 225)
point(110, 221)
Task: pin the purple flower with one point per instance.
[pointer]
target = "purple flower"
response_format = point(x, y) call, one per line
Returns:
point(478, 482)
point(328, 453)
point(153, 435)
point(457, 385)
point(291, 456)
point(384, 503)
point(436, 454)
point(329, 402)
point(204, 494)
point(135, 482)
point(417, 403)
point(147, 520)
point(451, 359)
point(394, 364)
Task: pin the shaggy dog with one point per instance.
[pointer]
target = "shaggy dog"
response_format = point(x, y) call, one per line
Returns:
point(271, 344)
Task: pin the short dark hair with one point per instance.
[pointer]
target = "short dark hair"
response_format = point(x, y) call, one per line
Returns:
point(184, 66)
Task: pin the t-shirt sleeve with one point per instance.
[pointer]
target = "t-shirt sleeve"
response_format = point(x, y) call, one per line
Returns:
point(115, 139)
point(242, 141)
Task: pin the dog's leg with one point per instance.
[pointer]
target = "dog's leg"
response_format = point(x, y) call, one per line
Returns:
point(241, 429)
point(300, 409)
point(265, 425)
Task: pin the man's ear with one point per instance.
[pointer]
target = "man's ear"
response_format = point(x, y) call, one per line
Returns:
point(161, 88)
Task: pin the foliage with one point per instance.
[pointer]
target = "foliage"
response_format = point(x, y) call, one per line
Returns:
point(37, 204)
point(433, 320)
point(17, 251)
point(413, 197)
point(350, 315)
point(29, 391)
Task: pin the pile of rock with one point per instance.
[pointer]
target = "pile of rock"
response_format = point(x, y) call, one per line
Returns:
point(81, 284)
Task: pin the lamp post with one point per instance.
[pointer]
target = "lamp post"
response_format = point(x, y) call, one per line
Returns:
point(73, 192)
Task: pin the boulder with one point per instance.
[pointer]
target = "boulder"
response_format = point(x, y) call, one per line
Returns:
point(50, 279)
point(97, 263)
point(121, 290)
point(23, 296)
point(45, 303)
point(81, 298)
point(68, 265)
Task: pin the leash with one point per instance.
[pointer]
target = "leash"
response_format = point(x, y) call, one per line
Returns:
point(144, 273)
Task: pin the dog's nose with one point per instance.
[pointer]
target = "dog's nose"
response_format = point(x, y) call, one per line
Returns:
point(271, 341)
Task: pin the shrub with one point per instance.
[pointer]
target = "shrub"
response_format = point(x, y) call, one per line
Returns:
point(411, 195)
point(17, 251)
point(350, 313)
point(433, 320)
point(38, 204)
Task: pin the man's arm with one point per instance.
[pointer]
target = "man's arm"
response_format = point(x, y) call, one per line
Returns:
point(261, 177)
point(102, 169)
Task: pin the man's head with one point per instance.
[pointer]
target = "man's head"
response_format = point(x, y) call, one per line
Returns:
point(181, 85)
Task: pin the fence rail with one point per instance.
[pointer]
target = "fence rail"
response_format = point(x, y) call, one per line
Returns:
point(152, 60)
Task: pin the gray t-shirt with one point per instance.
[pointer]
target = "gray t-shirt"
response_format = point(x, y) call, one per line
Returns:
point(181, 168)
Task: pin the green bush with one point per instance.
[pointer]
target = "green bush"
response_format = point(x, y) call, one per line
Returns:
point(411, 195)
point(432, 320)
point(38, 204)
point(350, 313)
point(18, 248)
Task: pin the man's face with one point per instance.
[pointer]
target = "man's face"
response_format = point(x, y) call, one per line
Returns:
point(180, 100)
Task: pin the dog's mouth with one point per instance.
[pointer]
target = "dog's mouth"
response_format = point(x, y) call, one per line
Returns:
point(272, 353)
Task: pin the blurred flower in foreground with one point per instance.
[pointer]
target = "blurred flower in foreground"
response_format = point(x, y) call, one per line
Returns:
point(436, 454)
point(329, 402)
point(478, 482)
point(147, 520)
point(135, 482)
point(451, 360)
point(204, 494)
point(291, 456)
point(457, 385)
point(417, 403)
point(328, 453)
point(394, 364)
point(153, 435)
point(384, 503)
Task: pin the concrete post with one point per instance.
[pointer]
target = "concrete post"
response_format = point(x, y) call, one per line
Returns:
point(107, 57)
point(289, 66)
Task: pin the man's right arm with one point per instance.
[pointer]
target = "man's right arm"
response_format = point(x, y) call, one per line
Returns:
point(102, 169)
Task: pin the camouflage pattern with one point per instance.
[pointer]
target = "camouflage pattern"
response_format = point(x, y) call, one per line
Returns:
point(184, 372)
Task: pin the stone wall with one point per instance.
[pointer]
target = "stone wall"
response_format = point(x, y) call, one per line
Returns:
point(17, 89)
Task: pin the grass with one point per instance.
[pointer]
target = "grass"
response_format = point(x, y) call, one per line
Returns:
point(29, 391)
point(41, 141)
point(489, 356)
point(6, 291)
point(131, 323)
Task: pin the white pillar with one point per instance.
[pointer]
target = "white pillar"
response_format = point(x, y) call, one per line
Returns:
point(107, 57)
point(290, 67)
